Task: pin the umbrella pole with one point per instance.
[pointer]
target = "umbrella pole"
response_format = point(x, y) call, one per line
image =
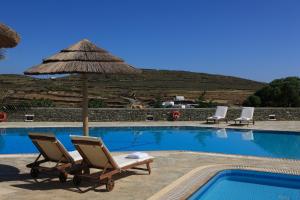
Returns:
point(85, 117)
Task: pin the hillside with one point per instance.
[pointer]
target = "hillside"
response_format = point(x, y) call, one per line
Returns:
point(115, 89)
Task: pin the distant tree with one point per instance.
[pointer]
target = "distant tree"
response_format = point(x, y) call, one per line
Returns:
point(279, 93)
point(157, 103)
point(252, 100)
point(96, 103)
point(202, 103)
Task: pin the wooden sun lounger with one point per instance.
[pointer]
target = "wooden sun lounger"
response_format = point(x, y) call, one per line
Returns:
point(96, 155)
point(52, 151)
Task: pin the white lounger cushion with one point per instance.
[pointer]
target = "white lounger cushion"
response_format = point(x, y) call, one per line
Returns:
point(220, 113)
point(247, 114)
point(123, 161)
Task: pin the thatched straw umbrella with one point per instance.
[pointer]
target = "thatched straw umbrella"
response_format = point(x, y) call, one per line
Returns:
point(83, 58)
point(8, 37)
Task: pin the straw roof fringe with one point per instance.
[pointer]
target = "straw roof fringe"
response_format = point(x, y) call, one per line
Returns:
point(82, 57)
point(81, 67)
point(8, 37)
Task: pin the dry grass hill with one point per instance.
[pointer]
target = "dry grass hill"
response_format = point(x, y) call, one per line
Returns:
point(116, 90)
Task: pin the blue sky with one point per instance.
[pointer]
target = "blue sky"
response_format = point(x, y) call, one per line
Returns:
point(254, 39)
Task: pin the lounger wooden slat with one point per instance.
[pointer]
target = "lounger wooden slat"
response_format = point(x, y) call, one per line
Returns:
point(51, 150)
point(96, 155)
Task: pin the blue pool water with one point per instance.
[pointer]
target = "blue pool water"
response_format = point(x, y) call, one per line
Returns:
point(229, 141)
point(249, 185)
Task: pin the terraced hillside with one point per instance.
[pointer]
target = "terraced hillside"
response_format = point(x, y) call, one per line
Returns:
point(117, 90)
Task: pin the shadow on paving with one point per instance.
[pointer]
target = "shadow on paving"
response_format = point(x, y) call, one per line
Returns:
point(86, 185)
point(240, 125)
point(11, 173)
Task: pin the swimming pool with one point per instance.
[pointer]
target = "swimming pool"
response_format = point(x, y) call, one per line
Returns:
point(249, 185)
point(274, 144)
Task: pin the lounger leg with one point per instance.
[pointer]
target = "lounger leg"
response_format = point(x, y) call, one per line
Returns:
point(63, 176)
point(148, 167)
point(35, 163)
point(110, 184)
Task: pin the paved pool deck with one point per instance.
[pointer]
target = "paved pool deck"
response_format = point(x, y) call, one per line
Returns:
point(175, 174)
point(192, 168)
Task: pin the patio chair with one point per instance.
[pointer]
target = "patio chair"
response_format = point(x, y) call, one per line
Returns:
point(246, 116)
point(219, 115)
point(96, 155)
point(53, 152)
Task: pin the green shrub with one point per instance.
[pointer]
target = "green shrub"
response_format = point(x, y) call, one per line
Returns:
point(42, 103)
point(157, 103)
point(96, 103)
point(202, 103)
point(206, 104)
point(279, 93)
point(252, 100)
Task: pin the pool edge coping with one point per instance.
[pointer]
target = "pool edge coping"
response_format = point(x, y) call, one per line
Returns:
point(140, 124)
point(186, 185)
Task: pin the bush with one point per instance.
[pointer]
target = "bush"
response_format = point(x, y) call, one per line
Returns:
point(252, 100)
point(42, 103)
point(96, 103)
point(279, 93)
point(157, 102)
point(206, 104)
point(202, 103)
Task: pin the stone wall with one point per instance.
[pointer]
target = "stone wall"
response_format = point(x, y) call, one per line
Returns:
point(195, 114)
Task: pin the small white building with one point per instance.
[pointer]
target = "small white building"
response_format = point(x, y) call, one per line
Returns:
point(179, 98)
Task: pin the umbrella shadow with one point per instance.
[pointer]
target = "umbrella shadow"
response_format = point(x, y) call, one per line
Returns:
point(11, 173)
point(85, 186)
